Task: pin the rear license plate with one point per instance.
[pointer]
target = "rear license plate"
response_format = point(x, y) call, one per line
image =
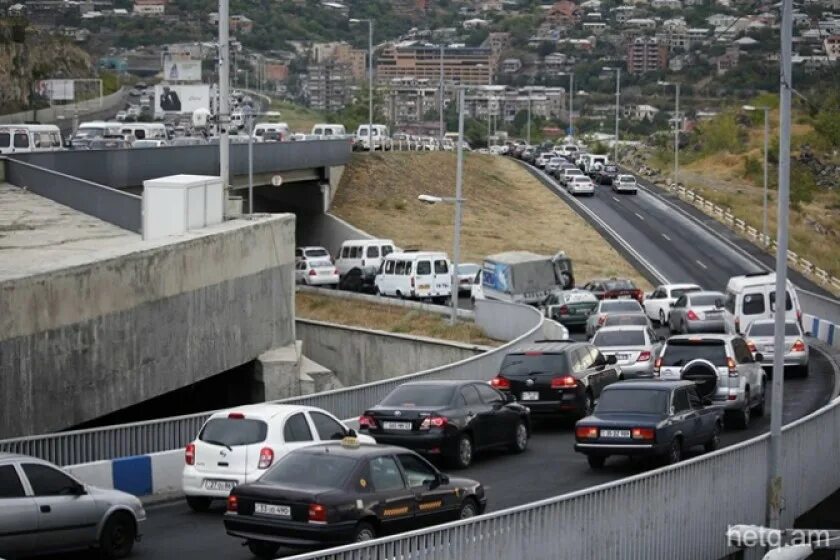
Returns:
point(219, 485)
point(615, 433)
point(423, 287)
point(530, 396)
point(397, 425)
point(271, 509)
point(622, 357)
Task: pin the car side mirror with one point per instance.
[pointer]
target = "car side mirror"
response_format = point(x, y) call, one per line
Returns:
point(612, 360)
point(759, 357)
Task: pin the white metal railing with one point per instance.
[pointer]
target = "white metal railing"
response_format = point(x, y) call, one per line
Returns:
point(138, 438)
point(681, 511)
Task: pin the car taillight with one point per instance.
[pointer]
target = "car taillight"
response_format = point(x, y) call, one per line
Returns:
point(643, 433)
point(601, 320)
point(692, 316)
point(366, 421)
point(751, 346)
point(732, 367)
point(737, 325)
point(644, 356)
point(232, 504)
point(639, 295)
point(586, 432)
point(317, 513)
point(500, 382)
point(236, 416)
point(189, 454)
point(798, 346)
point(434, 421)
point(565, 382)
point(564, 310)
point(266, 457)
point(412, 281)
point(335, 271)
point(313, 272)
point(657, 365)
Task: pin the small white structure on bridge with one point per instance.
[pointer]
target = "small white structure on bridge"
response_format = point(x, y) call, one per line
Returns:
point(176, 204)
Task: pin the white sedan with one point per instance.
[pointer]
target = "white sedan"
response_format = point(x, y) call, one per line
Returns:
point(658, 304)
point(467, 274)
point(625, 183)
point(316, 272)
point(581, 184)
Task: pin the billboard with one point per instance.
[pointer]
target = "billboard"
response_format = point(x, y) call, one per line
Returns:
point(171, 99)
point(57, 90)
point(178, 68)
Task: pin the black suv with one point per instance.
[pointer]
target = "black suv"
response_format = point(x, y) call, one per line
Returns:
point(556, 377)
point(606, 174)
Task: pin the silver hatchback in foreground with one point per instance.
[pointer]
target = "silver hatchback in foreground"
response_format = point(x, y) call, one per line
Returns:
point(697, 312)
point(635, 349)
point(760, 338)
point(45, 510)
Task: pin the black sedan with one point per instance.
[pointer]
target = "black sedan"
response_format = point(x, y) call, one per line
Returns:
point(449, 419)
point(653, 418)
point(340, 492)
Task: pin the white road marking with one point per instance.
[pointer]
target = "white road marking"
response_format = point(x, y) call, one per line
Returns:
point(666, 237)
point(701, 264)
point(639, 216)
point(616, 199)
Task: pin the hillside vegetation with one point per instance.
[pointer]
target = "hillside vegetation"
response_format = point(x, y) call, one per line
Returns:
point(505, 209)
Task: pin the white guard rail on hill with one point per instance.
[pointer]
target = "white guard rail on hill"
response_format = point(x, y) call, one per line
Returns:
point(504, 321)
point(677, 512)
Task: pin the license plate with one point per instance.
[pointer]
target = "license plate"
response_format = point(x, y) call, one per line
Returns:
point(530, 396)
point(219, 485)
point(615, 433)
point(622, 357)
point(423, 287)
point(624, 296)
point(271, 509)
point(397, 425)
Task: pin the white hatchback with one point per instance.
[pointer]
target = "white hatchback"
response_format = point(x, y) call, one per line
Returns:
point(316, 272)
point(238, 445)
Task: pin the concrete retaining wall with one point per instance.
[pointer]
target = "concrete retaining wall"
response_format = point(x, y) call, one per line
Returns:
point(327, 231)
point(359, 356)
point(86, 110)
point(822, 330)
point(86, 341)
point(157, 474)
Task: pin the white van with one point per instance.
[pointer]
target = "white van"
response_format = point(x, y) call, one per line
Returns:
point(590, 163)
point(752, 297)
point(261, 128)
point(380, 134)
point(364, 254)
point(142, 131)
point(27, 138)
point(90, 130)
point(329, 130)
point(418, 275)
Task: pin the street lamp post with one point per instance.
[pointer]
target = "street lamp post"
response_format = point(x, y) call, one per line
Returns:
point(224, 93)
point(528, 127)
point(677, 127)
point(571, 76)
point(764, 230)
point(441, 130)
point(617, 71)
point(370, 80)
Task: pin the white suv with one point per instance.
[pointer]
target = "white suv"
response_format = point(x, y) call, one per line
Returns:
point(724, 369)
point(237, 446)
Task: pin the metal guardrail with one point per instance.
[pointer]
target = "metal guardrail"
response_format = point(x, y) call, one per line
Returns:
point(139, 438)
point(635, 517)
point(111, 205)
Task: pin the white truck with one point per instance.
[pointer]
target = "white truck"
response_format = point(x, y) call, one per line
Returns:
point(525, 277)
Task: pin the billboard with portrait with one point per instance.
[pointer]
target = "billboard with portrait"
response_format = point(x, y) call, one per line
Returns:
point(172, 98)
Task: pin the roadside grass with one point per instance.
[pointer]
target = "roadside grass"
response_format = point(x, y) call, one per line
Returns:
point(387, 318)
point(506, 209)
point(298, 117)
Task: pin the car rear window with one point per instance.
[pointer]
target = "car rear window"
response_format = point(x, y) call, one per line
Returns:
point(788, 303)
point(441, 267)
point(626, 320)
point(768, 329)
point(320, 264)
point(619, 338)
point(419, 395)
point(620, 305)
point(620, 285)
point(317, 253)
point(753, 304)
point(632, 400)
point(680, 352)
point(311, 469)
point(705, 299)
point(523, 364)
point(5, 139)
point(424, 267)
point(679, 292)
point(233, 431)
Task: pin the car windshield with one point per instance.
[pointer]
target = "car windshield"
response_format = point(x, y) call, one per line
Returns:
point(645, 401)
point(311, 469)
point(680, 352)
point(419, 395)
point(619, 338)
point(534, 362)
point(706, 299)
point(233, 431)
point(768, 329)
point(626, 305)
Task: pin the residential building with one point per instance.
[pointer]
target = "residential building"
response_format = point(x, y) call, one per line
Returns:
point(327, 86)
point(646, 54)
point(342, 53)
point(640, 112)
point(555, 63)
point(149, 7)
point(408, 100)
point(728, 60)
point(832, 47)
point(595, 27)
point(564, 12)
point(463, 65)
point(511, 65)
point(241, 24)
point(276, 70)
point(475, 23)
point(640, 23)
point(666, 4)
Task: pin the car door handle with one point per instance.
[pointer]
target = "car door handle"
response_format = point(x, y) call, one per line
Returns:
point(46, 509)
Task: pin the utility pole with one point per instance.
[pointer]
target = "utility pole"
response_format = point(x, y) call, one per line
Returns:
point(572, 104)
point(224, 93)
point(440, 101)
point(528, 127)
point(617, 109)
point(766, 166)
point(459, 179)
point(677, 126)
point(775, 493)
point(370, 87)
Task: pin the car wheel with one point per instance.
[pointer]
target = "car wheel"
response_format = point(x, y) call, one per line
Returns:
point(463, 452)
point(714, 441)
point(674, 452)
point(364, 532)
point(118, 536)
point(199, 504)
point(263, 549)
point(661, 318)
point(596, 462)
point(469, 508)
point(758, 410)
point(520, 438)
point(588, 405)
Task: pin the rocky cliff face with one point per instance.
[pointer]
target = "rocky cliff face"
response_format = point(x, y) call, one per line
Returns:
point(27, 55)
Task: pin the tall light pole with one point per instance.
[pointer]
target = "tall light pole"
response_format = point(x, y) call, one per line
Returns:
point(459, 179)
point(571, 76)
point(775, 494)
point(528, 128)
point(677, 127)
point(764, 229)
point(617, 71)
point(440, 101)
point(223, 116)
point(370, 80)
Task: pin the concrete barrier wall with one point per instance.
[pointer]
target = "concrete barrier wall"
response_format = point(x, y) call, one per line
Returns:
point(326, 230)
point(359, 356)
point(85, 341)
point(828, 309)
point(156, 474)
point(89, 110)
point(823, 330)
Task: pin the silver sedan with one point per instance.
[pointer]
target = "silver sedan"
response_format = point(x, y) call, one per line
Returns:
point(607, 306)
point(635, 349)
point(697, 312)
point(760, 338)
point(43, 509)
